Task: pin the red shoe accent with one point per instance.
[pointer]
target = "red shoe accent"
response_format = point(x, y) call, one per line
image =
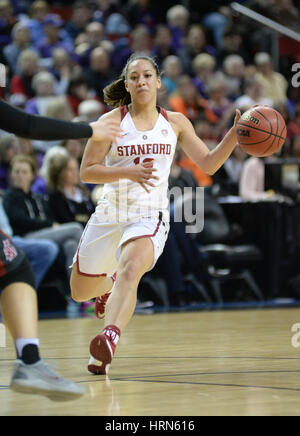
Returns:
point(100, 302)
point(102, 350)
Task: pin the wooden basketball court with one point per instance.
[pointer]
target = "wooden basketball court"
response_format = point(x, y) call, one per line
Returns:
point(239, 362)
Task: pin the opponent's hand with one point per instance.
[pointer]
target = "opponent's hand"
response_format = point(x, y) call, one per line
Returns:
point(105, 129)
point(142, 173)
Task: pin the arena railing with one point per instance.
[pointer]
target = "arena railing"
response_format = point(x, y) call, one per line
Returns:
point(277, 28)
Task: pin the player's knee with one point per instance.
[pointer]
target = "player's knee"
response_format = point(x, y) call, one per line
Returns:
point(130, 271)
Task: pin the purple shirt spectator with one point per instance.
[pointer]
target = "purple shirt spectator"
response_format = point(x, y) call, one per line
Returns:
point(54, 37)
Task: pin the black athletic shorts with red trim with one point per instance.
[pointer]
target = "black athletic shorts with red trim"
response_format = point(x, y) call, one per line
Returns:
point(14, 265)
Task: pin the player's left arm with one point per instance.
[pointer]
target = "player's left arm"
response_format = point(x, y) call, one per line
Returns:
point(207, 160)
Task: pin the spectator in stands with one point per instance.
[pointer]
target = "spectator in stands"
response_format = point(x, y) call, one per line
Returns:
point(54, 37)
point(274, 86)
point(232, 44)
point(74, 147)
point(105, 8)
point(30, 214)
point(258, 37)
point(78, 91)
point(293, 126)
point(39, 185)
point(41, 253)
point(194, 45)
point(9, 148)
point(206, 131)
point(21, 41)
point(252, 181)
point(214, 15)
point(252, 96)
point(37, 12)
point(95, 35)
point(28, 66)
point(178, 20)
point(188, 101)
point(288, 14)
point(141, 12)
point(295, 146)
point(81, 16)
point(140, 41)
point(293, 94)
point(118, 27)
point(59, 108)
point(235, 71)
point(69, 200)
point(62, 69)
point(203, 67)
point(99, 74)
point(43, 85)
point(282, 108)
point(162, 44)
point(7, 22)
point(90, 110)
point(172, 68)
point(232, 170)
point(217, 90)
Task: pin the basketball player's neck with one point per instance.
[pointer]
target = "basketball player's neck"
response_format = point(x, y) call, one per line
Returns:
point(144, 112)
point(144, 117)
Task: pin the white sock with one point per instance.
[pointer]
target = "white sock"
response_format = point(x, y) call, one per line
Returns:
point(21, 342)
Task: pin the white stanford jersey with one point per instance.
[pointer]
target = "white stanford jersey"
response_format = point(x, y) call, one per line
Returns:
point(136, 147)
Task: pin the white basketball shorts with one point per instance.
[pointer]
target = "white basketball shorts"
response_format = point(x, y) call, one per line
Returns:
point(100, 245)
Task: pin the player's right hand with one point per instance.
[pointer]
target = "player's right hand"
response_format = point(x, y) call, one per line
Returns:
point(142, 173)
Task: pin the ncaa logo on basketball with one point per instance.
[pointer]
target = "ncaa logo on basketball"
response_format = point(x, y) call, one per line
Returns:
point(243, 132)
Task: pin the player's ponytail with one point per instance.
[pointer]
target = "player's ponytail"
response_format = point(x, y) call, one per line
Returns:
point(115, 94)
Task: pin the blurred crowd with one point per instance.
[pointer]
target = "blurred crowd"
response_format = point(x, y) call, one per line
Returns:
point(60, 55)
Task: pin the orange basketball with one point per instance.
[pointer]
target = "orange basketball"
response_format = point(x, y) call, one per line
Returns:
point(261, 131)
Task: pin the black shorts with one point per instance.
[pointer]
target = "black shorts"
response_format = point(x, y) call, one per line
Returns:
point(22, 273)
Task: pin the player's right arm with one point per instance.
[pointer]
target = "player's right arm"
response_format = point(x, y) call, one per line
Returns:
point(92, 169)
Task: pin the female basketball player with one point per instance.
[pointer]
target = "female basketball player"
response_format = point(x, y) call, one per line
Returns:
point(129, 228)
